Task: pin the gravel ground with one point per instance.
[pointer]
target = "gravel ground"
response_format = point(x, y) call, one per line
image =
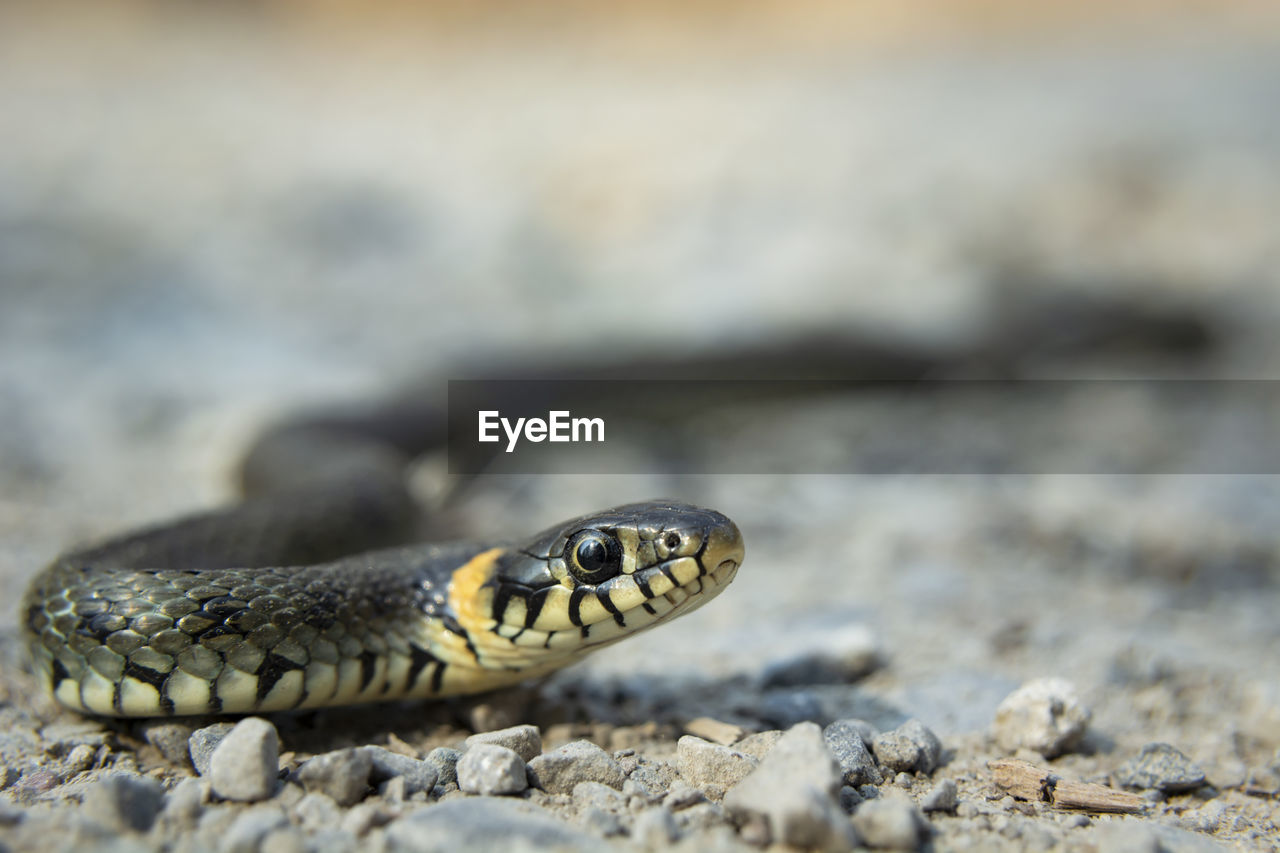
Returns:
point(207, 221)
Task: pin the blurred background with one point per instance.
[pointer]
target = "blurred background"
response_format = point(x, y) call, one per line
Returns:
point(211, 214)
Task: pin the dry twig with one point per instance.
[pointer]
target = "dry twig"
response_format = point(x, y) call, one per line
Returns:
point(1029, 782)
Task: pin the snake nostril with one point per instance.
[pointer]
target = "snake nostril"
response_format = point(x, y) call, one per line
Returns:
point(673, 541)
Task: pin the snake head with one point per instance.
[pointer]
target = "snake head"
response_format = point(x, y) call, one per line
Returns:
point(602, 577)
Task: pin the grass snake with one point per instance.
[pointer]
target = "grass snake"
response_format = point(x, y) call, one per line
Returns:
point(296, 598)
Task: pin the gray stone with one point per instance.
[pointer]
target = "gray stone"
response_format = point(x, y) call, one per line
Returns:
point(786, 709)
point(393, 790)
point(654, 777)
point(942, 798)
point(704, 763)
point(484, 824)
point(556, 772)
point(363, 818)
point(701, 817)
point(385, 765)
point(445, 760)
point(1162, 767)
point(849, 798)
point(1044, 715)
point(654, 829)
point(891, 823)
point(244, 765)
point(603, 823)
point(909, 748)
point(284, 839)
point(333, 841)
point(183, 804)
point(682, 795)
point(171, 738)
point(795, 792)
point(489, 769)
point(342, 775)
point(848, 743)
point(203, 742)
point(524, 741)
point(317, 811)
point(250, 828)
point(81, 758)
point(758, 744)
point(124, 802)
point(587, 795)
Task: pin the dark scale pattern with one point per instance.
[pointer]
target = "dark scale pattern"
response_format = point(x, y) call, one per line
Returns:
point(153, 627)
point(195, 634)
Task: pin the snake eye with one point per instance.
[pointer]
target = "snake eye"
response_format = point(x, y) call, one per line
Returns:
point(593, 556)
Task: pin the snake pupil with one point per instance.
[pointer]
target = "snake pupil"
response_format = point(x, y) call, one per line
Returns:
point(596, 556)
point(591, 555)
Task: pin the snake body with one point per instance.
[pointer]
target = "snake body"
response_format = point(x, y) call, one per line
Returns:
point(118, 636)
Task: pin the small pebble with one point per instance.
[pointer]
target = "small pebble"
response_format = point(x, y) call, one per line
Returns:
point(81, 758)
point(491, 770)
point(203, 742)
point(1162, 767)
point(285, 839)
point(445, 760)
point(601, 822)
point(243, 767)
point(942, 798)
point(908, 748)
point(703, 763)
point(594, 795)
point(715, 731)
point(385, 765)
point(682, 795)
point(362, 818)
point(393, 790)
point(524, 741)
point(342, 775)
point(484, 823)
point(656, 778)
point(890, 823)
point(185, 801)
point(758, 744)
point(124, 802)
point(556, 772)
point(849, 798)
point(795, 790)
point(173, 739)
point(654, 829)
point(1044, 715)
point(249, 828)
point(847, 740)
point(317, 811)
